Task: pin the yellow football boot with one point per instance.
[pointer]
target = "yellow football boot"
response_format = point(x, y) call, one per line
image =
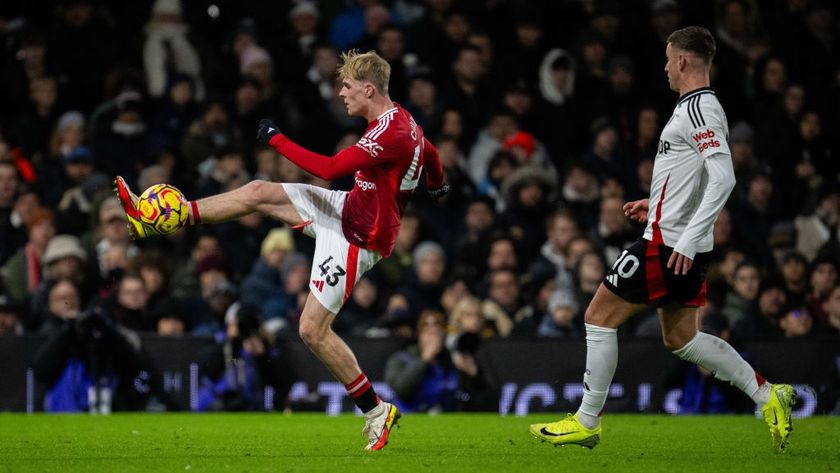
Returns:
point(776, 413)
point(568, 431)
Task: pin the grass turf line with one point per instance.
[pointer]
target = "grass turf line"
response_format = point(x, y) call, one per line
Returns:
point(451, 442)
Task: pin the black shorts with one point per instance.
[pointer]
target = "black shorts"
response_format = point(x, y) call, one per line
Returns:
point(640, 276)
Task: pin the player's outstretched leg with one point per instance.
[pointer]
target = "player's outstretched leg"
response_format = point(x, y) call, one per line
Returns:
point(568, 431)
point(138, 227)
point(777, 414)
point(718, 356)
point(378, 424)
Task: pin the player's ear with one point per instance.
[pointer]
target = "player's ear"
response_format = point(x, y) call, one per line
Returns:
point(369, 90)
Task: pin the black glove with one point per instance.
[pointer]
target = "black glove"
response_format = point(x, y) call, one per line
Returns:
point(266, 131)
point(441, 191)
point(93, 324)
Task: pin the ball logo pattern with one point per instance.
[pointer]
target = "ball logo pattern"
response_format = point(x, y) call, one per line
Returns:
point(163, 207)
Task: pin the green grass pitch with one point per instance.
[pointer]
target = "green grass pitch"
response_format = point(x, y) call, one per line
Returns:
point(429, 443)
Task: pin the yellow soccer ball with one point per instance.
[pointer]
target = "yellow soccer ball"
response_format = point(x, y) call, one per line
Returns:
point(164, 208)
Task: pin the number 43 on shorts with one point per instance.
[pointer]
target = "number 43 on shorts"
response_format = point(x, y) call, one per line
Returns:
point(330, 273)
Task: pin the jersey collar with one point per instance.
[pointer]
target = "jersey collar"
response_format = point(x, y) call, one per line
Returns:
point(386, 112)
point(701, 90)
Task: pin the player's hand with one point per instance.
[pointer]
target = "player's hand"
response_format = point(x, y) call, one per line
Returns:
point(681, 263)
point(637, 210)
point(441, 191)
point(266, 130)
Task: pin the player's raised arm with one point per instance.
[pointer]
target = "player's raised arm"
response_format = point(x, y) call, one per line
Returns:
point(346, 162)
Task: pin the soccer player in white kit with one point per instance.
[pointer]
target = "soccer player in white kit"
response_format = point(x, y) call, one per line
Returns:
point(692, 179)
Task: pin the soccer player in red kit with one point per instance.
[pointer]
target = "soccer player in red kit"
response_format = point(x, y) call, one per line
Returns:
point(352, 230)
point(692, 179)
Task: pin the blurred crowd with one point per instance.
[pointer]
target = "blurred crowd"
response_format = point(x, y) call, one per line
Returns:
point(546, 115)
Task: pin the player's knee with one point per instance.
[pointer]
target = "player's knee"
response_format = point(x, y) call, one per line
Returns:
point(257, 192)
point(673, 342)
point(593, 317)
point(310, 333)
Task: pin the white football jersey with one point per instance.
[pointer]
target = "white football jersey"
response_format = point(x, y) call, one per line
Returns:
point(692, 175)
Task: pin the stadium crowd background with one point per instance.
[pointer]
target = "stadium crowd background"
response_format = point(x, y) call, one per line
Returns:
point(546, 115)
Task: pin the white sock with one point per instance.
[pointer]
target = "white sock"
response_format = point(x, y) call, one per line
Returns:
point(762, 394)
point(726, 364)
point(601, 360)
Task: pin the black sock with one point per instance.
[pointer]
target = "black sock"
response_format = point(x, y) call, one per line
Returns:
point(362, 393)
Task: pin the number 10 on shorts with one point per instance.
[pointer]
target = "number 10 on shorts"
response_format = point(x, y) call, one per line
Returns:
point(625, 266)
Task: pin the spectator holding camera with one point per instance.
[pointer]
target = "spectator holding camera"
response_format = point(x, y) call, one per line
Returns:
point(128, 304)
point(62, 306)
point(90, 365)
point(467, 317)
point(427, 377)
point(246, 361)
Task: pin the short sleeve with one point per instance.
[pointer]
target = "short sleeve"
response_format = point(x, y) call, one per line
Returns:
point(706, 128)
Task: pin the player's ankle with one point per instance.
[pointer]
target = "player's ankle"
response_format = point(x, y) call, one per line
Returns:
point(587, 420)
point(377, 410)
point(762, 394)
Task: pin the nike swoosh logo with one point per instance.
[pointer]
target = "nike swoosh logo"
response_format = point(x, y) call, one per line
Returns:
point(270, 129)
point(544, 431)
point(775, 419)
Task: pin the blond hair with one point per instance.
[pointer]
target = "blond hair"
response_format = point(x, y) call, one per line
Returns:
point(366, 67)
point(462, 307)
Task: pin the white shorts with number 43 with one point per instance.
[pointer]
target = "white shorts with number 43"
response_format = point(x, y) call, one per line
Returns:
point(337, 264)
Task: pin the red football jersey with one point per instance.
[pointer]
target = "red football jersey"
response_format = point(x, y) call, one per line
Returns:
point(387, 161)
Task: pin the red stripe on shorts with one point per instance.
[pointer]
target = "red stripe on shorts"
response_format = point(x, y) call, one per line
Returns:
point(653, 268)
point(700, 299)
point(352, 264)
point(301, 225)
point(653, 272)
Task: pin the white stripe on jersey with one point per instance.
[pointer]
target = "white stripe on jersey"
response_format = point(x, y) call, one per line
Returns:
point(391, 110)
point(379, 126)
point(384, 121)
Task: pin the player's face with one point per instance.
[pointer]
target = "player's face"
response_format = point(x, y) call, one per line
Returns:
point(355, 95)
point(672, 67)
